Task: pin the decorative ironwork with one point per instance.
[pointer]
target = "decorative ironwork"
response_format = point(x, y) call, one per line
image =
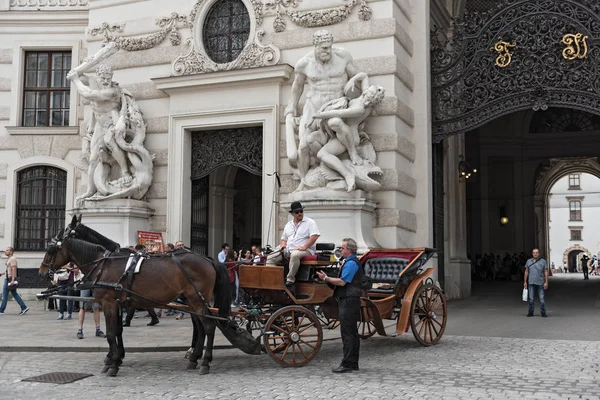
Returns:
point(226, 30)
point(563, 120)
point(200, 198)
point(469, 90)
point(30, 278)
point(41, 203)
point(576, 46)
point(504, 54)
point(241, 147)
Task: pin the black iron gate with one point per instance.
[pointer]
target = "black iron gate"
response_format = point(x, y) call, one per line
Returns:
point(240, 147)
point(438, 207)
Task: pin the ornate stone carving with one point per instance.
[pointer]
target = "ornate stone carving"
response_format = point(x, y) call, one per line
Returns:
point(241, 147)
point(468, 90)
point(196, 61)
point(314, 18)
point(119, 166)
point(168, 24)
point(48, 4)
point(327, 145)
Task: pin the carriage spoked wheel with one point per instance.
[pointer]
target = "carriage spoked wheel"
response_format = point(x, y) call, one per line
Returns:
point(366, 326)
point(293, 336)
point(428, 315)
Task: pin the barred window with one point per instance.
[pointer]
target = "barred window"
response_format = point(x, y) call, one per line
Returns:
point(226, 30)
point(576, 234)
point(575, 210)
point(46, 91)
point(41, 203)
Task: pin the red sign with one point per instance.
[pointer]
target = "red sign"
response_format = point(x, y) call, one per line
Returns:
point(151, 240)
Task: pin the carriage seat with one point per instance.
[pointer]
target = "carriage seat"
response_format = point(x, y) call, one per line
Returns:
point(385, 270)
point(322, 258)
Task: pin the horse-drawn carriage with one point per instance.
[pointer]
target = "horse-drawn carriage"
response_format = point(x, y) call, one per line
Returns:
point(290, 323)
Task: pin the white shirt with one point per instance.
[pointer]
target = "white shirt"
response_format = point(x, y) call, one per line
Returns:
point(222, 256)
point(297, 236)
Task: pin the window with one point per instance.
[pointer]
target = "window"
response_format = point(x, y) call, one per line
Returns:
point(576, 234)
point(46, 92)
point(575, 210)
point(574, 182)
point(41, 203)
point(226, 30)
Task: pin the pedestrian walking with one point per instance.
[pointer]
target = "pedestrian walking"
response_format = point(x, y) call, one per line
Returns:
point(11, 280)
point(348, 292)
point(536, 276)
point(585, 263)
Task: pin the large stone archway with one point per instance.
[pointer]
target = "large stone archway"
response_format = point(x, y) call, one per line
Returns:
point(518, 55)
point(546, 176)
point(577, 248)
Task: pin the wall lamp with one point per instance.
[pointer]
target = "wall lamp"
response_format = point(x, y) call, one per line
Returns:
point(465, 171)
point(503, 217)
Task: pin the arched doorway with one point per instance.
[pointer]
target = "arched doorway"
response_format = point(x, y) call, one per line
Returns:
point(227, 188)
point(489, 79)
point(573, 260)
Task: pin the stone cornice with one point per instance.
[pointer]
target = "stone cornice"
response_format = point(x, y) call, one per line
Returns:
point(281, 72)
point(44, 18)
point(42, 130)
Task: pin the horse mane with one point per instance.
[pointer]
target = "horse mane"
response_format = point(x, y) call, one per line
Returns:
point(89, 235)
point(85, 250)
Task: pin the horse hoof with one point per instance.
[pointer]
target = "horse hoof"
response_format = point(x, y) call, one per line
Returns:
point(104, 369)
point(192, 365)
point(112, 371)
point(204, 370)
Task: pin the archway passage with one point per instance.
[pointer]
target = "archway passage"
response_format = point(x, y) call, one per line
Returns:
point(573, 263)
point(517, 55)
point(226, 197)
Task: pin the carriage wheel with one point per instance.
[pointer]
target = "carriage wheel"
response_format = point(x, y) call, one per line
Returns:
point(293, 336)
point(366, 326)
point(428, 315)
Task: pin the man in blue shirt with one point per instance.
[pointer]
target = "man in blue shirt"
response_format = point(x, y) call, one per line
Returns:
point(536, 275)
point(348, 292)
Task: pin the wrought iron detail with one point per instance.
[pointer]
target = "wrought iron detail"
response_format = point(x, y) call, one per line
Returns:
point(241, 147)
point(226, 30)
point(576, 46)
point(30, 278)
point(468, 90)
point(200, 198)
point(504, 55)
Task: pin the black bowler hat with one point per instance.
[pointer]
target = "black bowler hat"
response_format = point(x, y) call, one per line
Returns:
point(296, 206)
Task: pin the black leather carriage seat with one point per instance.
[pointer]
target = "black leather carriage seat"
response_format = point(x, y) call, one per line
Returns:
point(321, 259)
point(385, 270)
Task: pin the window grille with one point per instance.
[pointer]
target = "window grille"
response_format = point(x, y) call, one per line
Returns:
point(226, 30)
point(576, 234)
point(46, 91)
point(563, 120)
point(41, 203)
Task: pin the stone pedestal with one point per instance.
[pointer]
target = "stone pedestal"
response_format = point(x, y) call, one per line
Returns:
point(338, 215)
point(117, 219)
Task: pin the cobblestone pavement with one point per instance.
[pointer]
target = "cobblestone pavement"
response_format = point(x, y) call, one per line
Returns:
point(459, 367)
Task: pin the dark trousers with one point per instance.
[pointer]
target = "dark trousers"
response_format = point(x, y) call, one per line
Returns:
point(349, 315)
point(131, 311)
point(585, 273)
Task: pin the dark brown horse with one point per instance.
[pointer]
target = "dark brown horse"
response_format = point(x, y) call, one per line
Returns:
point(161, 280)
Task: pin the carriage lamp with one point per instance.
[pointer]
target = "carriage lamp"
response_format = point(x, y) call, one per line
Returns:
point(465, 171)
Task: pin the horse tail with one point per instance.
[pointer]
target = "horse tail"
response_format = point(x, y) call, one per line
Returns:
point(222, 290)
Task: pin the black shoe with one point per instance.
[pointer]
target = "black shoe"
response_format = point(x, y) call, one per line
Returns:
point(544, 315)
point(530, 314)
point(342, 369)
point(126, 324)
point(153, 322)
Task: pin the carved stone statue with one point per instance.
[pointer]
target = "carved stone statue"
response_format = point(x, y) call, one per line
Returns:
point(331, 145)
point(119, 165)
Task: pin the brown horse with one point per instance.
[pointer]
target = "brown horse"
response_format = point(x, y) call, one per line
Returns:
point(161, 280)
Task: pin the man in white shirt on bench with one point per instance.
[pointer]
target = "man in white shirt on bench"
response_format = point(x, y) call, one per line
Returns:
point(298, 240)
